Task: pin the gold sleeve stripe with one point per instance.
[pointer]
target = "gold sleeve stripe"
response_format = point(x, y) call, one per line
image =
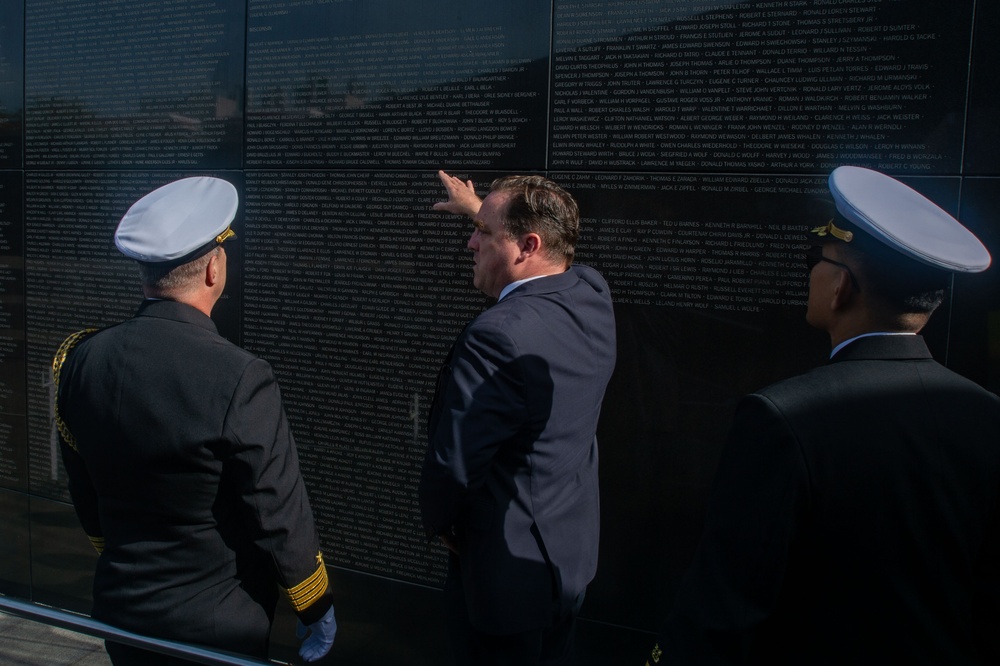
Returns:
point(57, 364)
point(308, 591)
point(98, 542)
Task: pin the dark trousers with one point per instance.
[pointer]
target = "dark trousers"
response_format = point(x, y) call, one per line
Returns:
point(548, 646)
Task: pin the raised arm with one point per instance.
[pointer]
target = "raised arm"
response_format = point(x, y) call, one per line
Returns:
point(462, 198)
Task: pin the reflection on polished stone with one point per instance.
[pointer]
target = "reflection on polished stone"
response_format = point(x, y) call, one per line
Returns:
point(13, 435)
point(12, 85)
point(353, 85)
point(743, 89)
point(696, 137)
point(116, 89)
point(62, 557)
point(983, 132)
point(974, 330)
point(15, 550)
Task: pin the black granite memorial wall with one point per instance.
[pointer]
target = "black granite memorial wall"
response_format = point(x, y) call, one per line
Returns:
point(696, 135)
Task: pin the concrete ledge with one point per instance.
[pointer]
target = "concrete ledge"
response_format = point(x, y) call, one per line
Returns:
point(28, 643)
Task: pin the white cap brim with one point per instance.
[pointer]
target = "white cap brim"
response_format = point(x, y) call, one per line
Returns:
point(177, 219)
point(905, 220)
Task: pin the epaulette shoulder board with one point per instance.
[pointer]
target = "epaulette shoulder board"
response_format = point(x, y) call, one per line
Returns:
point(57, 363)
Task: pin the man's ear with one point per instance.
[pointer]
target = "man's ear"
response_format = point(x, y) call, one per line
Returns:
point(212, 270)
point(530, 243)
point(843, 290)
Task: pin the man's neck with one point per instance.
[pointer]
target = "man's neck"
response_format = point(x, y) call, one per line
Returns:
point(200, 300)
point(536, 271)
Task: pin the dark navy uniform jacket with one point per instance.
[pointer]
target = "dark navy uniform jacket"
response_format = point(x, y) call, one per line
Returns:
point(182, 466)
point(512, 459)
point(854, 519)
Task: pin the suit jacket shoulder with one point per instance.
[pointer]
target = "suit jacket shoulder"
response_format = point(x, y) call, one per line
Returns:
point(854, 519)
point(867, 372)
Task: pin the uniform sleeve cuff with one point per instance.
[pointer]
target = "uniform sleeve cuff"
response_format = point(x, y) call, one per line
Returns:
point(310, 598)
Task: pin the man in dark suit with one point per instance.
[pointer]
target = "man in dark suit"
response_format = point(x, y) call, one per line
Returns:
point(510, 479)
point(854, 517)
point(181, 464)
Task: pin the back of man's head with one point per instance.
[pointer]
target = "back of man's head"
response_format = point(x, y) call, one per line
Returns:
point(537, 205)
point(894, 284)
point(163, 279)
point(174, 232)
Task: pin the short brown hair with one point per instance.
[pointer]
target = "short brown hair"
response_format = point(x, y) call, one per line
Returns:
point(170, 277)
point(537, 205)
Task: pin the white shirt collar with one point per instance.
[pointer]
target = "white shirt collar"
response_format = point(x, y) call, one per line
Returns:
point(514, 285)
point(864, 335)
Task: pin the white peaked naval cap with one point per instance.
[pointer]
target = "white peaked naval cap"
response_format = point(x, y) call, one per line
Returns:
point(905, 220)
point(178, 222)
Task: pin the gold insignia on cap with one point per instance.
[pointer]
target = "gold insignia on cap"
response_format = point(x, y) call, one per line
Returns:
point(657, 653)
point(832, 229)
point(225, 235)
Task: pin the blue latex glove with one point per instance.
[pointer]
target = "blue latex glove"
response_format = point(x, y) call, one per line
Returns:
point(321, 634)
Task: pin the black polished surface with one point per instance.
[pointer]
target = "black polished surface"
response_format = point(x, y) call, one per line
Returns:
point(355, 84)
point(697, 137)
point(134, 85)
point(13, 431)
point(62, 557)
point(983, 131)
point(11, 85)
point(974, 345)
point(759, 87)
point(355, 294)
point(15, 549)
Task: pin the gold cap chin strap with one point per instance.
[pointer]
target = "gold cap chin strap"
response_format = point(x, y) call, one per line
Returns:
point(832, 229)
